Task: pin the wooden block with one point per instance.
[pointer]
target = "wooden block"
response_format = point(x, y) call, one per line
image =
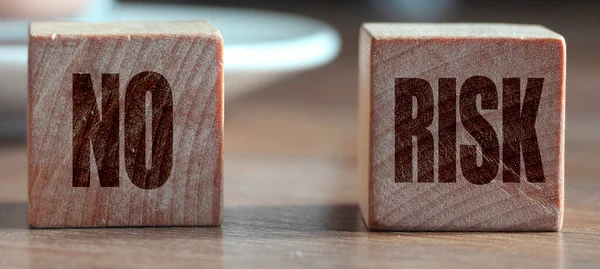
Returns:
point(125, 124)
point(461, 127)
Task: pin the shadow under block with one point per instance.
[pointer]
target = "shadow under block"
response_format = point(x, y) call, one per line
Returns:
point(125, 124)
point(461, 127)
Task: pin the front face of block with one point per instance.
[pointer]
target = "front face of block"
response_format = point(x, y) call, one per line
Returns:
point(125, 127)
point(466, 133)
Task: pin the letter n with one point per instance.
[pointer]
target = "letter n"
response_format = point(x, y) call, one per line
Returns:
point(95, 131)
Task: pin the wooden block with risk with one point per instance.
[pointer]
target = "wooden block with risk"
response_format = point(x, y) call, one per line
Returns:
point(461, 127)
point(125, 124)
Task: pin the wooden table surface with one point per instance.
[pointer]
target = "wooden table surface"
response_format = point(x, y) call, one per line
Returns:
point(291, 194)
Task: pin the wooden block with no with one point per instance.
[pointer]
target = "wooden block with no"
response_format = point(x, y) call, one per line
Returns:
point(461, 127)
point(125, 124)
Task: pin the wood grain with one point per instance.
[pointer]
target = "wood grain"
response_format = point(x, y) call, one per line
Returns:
point(484, 104)
point(125, 124)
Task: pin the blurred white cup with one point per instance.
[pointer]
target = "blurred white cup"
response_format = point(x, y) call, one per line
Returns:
point(36, 9)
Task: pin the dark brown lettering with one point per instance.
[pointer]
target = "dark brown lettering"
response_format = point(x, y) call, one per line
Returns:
point(519, 130)
point(447, 130)
point(480, 129)
point(407, 126)
point(101, 131)
point(135, 130)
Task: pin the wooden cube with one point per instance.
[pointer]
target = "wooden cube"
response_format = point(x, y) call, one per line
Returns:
point(125, 124)
point(461, 127)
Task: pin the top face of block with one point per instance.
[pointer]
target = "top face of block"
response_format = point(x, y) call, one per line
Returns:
point(458, 30)
point(123, 29)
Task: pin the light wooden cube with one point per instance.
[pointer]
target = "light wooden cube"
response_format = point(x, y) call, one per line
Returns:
point(461, 127)
point(125, 124)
